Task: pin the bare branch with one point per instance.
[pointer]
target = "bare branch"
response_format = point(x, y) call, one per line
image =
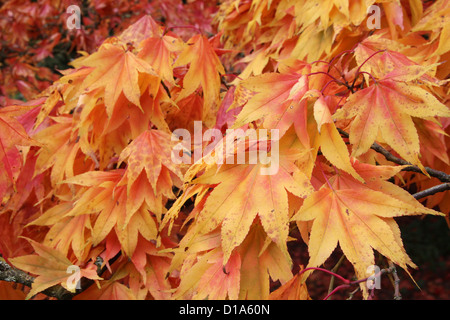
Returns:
point(397, 295)
point(430, 191)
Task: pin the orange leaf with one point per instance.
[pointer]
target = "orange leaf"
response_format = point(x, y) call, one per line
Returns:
point(360, 218)
point(117, 70)
point(386, 108)
point(51, 268)
point(205, 70)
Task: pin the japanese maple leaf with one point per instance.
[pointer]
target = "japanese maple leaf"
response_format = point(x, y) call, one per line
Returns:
point(242, 193)
point(65, 232)
point(273, 97)
point(151, 152)
point(111, 289)
point(159, 52)
point(294, 289)
point(106, 199)
point(116, 70)
point(12, 134)
point(331, 143)
point(262, 260)
point(385, 108)
point(59, 151)
point(142, 29)
point(209, 278)
point(205, 70)
point(436, 17)
point(358, 216)
point(51, 268)
point(380, 57)
point(153, 266)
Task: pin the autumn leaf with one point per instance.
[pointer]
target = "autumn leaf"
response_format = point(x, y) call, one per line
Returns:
point(51, 268)
point(261, 260)
point(275, 98)
point(151, 152)
point(358, 217)
point(110, 289)
point(153, 266)
point(113, 208)
point(243, 192)
point(204, 70)
point(294, 289)
point(331, 143)
point(12, 135)
point(217, 281)
point(87, 167)
point(146, 27)
point(159, 52)
point(386, 108)
point(59, 151)
point(116, 70)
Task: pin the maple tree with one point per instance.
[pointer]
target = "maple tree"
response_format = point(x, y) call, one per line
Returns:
point(88, 180)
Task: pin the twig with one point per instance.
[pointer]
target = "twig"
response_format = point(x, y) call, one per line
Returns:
point(335, 269)
point(397, 295)
point(442, 176)
point(432, 190)
point(11, 274)
point(350, 296)
point(347, 283)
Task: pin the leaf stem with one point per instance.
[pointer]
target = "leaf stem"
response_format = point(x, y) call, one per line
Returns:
point(325, 73)
point(326, 271)
point(335, 269)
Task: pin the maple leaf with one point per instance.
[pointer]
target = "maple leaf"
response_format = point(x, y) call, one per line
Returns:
point(294, 289)
point(331, 143)
point(65, 232)
point(273, 97)
point(51, 268)
point(359, 217)
point(243, 192)
point(113, 208)
point(153, 266)
point(111, 289)
point(159, 52)
point(436, 17)
point(386, 108)
point(117, 70)
point(151, 152)
point(60, 150)
point(217, 281)
point(205, 70)
point(185, 112)
point(142, 29)
point(262, 260)
point(12, 134)
point(380, 57)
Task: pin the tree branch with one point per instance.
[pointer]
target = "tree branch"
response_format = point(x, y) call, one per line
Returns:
point(11, 274)
point(442, 176)
point(430, 191)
